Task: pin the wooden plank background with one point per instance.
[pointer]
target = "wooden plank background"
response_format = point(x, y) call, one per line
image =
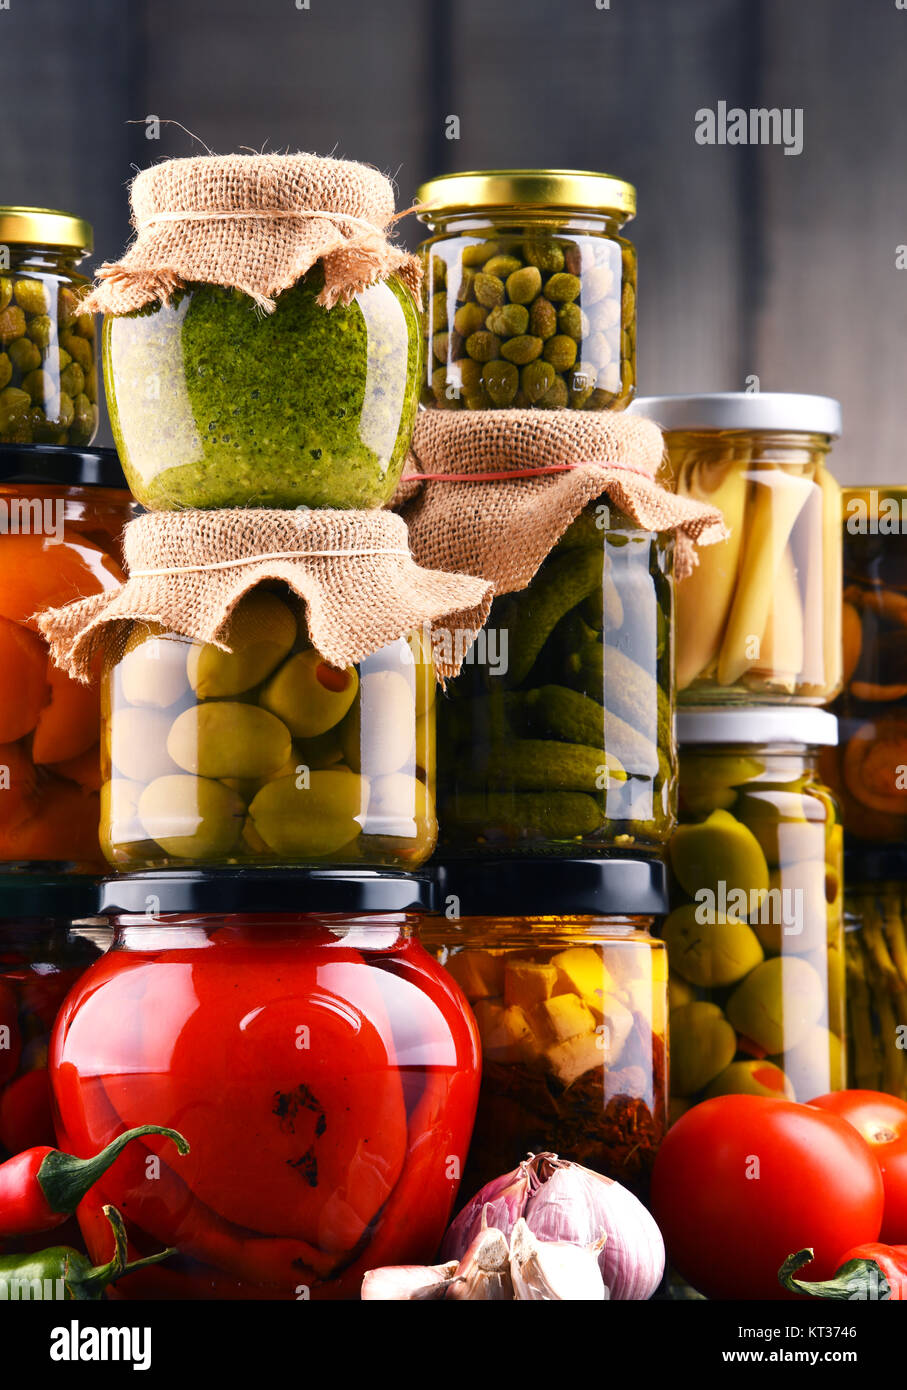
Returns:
point(751, 262)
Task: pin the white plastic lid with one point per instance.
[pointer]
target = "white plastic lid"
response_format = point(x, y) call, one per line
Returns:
point(782, 724)
point(783, 411)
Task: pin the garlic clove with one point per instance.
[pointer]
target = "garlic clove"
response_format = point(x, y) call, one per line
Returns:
point(554, 1271)
point(402, 1283)
point(484, 1271)
point(503, 1199)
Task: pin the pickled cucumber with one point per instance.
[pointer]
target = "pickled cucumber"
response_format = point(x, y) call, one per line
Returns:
point(535, 764)
point(528, 816)
point(560, 585)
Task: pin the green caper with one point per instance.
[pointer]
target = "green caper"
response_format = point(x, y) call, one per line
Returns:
point(478, 255)
point(598, 349)
point(535, 379)
point(542, 318)
point(42, 330)
point(85, 421)
point(508, 320)
point(502, 266)
point(12, 324)
point(442, 384)
point(91, 382)
point(628, 302)
point(469, 318)
point(440, 345)
point(437, 317)
point(14, 406)
point(24, 355)
point(67, 307)
point(609, 379)
point(523, 349)
point(66, 410)
point(438, 271)
point(483, 346)
point(555, 398)
point(40, 385)
point(547, 255)
point(477, 400)
point(489, 289)
point(33, 295)
point(582, 383)
point(523, 285)
point(6, 291)
point(572, 321)
point(563, 287)
point(501, 380)
point(85, 326)
point(467, 282)
point(470, 373)
point(560, 351)
point(6, 370)
point(573, 259)
point(597, 283)
point(72, 379)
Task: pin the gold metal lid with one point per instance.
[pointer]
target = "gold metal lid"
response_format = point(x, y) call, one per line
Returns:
point(523, 188)
point(45, 227)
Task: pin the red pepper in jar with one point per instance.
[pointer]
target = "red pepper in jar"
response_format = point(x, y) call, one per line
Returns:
point(40, 1187)
point(10, 1037)
point(26, 1121)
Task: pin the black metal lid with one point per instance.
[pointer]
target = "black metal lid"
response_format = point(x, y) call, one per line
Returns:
point(228, 891)
point(56, 465)
point(30, 895)
point(612, 887)
point(869, 864)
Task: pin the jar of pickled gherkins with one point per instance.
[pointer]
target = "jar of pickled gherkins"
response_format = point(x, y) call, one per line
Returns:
point(62, 512)
point(322, 1066)
point(265, 754)
point(529, 290)
point(759, 619)
point(569, 994)
point(756, 935)
point(875, 920)
point(557, 737)
point(48, 371)
point(868, 770)
point(48, 938)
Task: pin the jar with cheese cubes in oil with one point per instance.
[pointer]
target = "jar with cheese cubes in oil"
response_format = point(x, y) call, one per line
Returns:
point(571, 1009)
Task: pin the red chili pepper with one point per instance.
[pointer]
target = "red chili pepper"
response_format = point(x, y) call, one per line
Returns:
point(866, 1272)
point(25, 1114)
point(40, 1187)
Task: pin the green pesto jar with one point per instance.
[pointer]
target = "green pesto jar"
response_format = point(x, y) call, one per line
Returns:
point(215, 404)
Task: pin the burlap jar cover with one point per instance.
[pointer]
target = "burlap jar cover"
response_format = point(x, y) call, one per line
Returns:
point(490, 493)
point(255, 223)
point(353, 570)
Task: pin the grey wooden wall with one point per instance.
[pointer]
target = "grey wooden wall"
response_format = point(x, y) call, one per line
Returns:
point(751, 261)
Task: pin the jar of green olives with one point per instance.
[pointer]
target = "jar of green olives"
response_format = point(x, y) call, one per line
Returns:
point(756, 937)
point(557, 737)
point(48, 376)
point(264, 753)
point(529, 291)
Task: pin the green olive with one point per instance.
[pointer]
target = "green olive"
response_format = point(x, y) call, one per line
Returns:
point(702, 1045)
point(679, 993)
point(192, 817)
point(120, 824)
point(717, 953)
point(778, 1003)
point(152, 670)
point(401, 807)
point(6, 369)
point(311, 817)
point(378, 735)
point(718, 854)
point(138, 744)
point(309, 695)
point(795, 915)
point(815, 1065)
point(261, 632)
point(751, 1078)
point(227, 738)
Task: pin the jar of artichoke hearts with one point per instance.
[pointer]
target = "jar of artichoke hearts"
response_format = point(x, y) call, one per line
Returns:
point(529, 291)
point(759, 620)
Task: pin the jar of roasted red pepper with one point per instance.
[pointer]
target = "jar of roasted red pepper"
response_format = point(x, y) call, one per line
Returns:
point(322, 1066)
point(61, 515)
point(569, 992)
point(48, 937)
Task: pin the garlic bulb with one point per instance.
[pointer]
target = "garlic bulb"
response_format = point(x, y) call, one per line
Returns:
point(500, 1203)
point(408, 1283)
point(554, 1270)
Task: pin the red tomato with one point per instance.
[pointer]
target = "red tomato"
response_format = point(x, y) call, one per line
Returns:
point(882, 1121)
point(741, 1181)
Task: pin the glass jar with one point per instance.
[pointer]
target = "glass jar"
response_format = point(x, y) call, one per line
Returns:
point(266, 755)
point(557, 736)
point(875, 917)
point(759, 619)
point(215, 404)
point(756, 936)
point(47, 940)
point(48, 368)
point(529, 291)
point(323, 1068)
point(868, 770)
point(571, 1006)
point(61, 515)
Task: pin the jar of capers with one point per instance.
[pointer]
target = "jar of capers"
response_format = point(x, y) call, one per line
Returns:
point(48, 375)
point(529, 291)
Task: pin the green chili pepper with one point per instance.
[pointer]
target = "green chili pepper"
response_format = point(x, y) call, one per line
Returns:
point(40, 1274)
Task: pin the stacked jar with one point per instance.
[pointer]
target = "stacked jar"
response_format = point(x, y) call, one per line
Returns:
point(265, 807)
point(755, 938)
point(869, 775)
